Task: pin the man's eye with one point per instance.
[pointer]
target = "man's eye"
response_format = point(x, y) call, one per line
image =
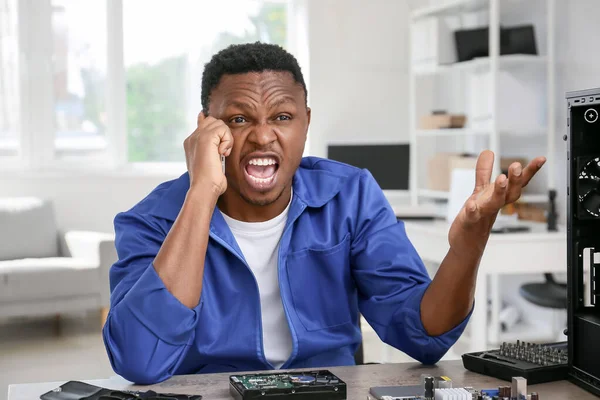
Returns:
point(283, 118)
point(239, 120)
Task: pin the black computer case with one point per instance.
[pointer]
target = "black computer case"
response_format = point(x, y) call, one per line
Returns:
point(583, 237)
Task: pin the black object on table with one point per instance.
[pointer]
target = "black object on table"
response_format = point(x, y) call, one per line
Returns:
point(84, 391)
point(474, 43)
point(298, 385)
point(538, 363)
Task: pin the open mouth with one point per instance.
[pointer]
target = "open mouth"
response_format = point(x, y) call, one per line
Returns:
point(261, 172)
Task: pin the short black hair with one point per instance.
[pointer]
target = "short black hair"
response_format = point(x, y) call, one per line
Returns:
point(244, 58)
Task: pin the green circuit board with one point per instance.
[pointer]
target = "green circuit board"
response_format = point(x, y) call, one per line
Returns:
point(299, 385)
point(251, 382)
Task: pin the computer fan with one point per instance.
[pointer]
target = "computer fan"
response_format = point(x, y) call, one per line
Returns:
point(588, 193)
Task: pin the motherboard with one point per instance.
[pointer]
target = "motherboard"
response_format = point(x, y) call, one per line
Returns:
point(441, 388)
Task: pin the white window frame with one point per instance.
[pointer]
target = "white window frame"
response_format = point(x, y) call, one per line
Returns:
point(36, 152)
point(9, 153)
point(34, 87)
point(37, 148)
point(297, 44)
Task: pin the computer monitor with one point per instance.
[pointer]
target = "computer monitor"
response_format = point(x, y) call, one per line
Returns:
point(388, 163)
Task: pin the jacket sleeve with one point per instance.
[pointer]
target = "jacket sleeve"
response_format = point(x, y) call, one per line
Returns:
point(148, 331)
point(391, 279)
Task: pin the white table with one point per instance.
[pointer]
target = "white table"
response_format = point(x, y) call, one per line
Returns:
point(536, 251)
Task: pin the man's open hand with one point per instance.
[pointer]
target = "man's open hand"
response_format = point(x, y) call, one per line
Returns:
point(480, 210)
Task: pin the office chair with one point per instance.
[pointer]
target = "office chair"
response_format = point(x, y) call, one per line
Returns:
point(359, 356)
point(549, 294)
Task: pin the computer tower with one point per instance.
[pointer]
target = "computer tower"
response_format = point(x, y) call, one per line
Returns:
point(583, 237)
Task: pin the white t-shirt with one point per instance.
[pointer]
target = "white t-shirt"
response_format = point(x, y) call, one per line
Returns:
point(259, 242)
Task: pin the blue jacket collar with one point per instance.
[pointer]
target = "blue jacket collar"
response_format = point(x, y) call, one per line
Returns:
point(312, 186)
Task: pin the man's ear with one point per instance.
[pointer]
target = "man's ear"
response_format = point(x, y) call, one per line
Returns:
point(307, 123)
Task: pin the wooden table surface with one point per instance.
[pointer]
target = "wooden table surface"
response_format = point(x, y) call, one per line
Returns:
point(359, 379)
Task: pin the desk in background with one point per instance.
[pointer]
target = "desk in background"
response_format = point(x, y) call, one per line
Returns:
point(537, 251)
point(359, 379)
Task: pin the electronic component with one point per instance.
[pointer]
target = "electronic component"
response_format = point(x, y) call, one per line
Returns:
point(443, 382)
point(475, 394)
point(519, 388)
point(428, 390)
point(504, 392)
point(537, 363)
point(320, 384)
point(414, 392)
point(464, 393)
point(588, 184)
point(490, 392)
point(453, 393)
point(438, 381)
point(401, 398)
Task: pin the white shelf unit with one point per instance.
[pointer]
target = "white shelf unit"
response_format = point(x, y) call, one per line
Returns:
point(433, 194)
point(451, 132)
point(478, 64)
point(494, 64)
point(441, 195)
point(448, 8)
point(489, 130)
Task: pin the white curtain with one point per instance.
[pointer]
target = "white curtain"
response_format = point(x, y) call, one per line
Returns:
point(9, 75)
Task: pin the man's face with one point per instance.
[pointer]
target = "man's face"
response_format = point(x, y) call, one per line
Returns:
point(268, 118)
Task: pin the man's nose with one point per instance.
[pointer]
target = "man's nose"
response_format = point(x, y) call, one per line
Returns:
point(262, 135)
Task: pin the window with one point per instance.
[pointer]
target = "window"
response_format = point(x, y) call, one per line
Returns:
point(9, 79)
point(111, 82)
point(164, 59)
point(79, 75)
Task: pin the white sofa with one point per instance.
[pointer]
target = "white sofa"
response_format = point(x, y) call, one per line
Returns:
point(43, 271)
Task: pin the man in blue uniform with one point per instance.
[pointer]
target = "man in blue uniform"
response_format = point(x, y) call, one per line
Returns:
point(269, 264)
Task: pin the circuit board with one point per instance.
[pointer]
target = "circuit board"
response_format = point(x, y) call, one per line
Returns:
point(441, 388)
point(297, 385)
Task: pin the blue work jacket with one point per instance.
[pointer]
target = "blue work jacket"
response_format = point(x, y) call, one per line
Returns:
point(342, 252)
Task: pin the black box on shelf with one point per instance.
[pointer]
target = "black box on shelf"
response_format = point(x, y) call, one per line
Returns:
point(474, 43)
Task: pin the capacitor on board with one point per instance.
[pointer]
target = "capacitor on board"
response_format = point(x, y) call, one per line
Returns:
point(428, 388)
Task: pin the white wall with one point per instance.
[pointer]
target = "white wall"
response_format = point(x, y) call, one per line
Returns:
point(359, 72)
